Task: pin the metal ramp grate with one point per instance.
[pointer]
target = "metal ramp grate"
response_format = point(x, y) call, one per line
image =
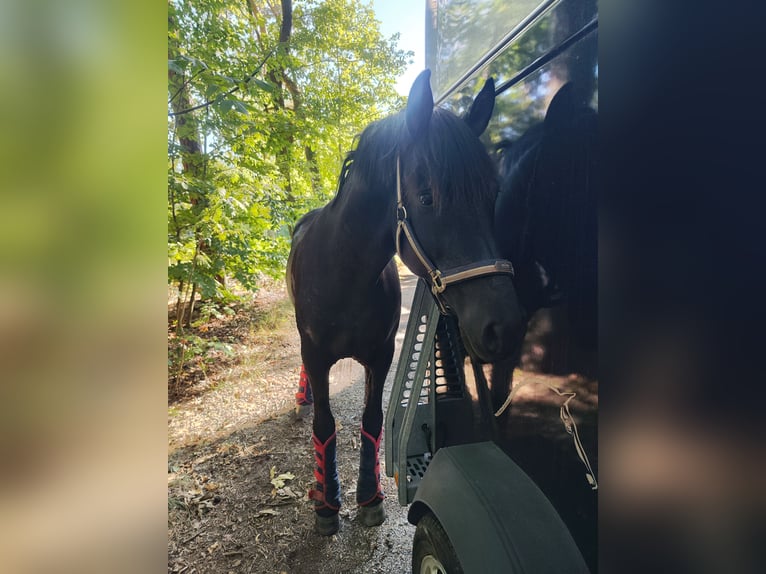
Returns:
point(429, 371)
point(417, 466)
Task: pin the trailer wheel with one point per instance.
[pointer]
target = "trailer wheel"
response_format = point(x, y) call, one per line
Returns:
point(432, 551)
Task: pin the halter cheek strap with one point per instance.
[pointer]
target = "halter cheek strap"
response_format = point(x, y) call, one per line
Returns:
point(440, 280)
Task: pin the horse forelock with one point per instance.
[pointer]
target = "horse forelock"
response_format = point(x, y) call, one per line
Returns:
point(460, 170)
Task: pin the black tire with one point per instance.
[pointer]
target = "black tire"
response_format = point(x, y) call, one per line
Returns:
point(432, 551)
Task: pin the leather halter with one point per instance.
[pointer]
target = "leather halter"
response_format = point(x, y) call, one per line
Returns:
point(440, 280)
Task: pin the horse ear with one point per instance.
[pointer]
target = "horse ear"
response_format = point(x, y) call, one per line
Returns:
point(478, 116)
point(561, 110)
point(420, 105)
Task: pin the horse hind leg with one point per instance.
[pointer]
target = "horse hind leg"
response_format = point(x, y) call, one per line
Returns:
point(326, 493)
point(369, 493)
point(304, 398)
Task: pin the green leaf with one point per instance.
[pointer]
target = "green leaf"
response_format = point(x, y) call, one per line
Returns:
point(239, 106)
point(173, 65)
point(263, 85)
point(211, 90)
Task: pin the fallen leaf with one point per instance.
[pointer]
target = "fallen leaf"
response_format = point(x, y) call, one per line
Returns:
point(289, 492)
point(267, 511)
point(279, 481)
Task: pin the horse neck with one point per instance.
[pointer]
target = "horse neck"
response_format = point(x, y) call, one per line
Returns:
point(363, 222)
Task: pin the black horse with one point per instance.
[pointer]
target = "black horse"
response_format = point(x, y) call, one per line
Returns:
point(546, 223)
point(419, 183)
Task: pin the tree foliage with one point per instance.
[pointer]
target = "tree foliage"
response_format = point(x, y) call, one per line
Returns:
point(264, 98)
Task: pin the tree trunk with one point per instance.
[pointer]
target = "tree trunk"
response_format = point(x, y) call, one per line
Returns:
point(191, 304)
point(188, 134)
point(187, 128)
point(279, 77)
point(316, 180)
point(181, 319)
point(179, 300)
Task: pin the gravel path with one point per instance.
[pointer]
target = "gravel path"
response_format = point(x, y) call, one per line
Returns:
point(224, 515)
point(229, 445)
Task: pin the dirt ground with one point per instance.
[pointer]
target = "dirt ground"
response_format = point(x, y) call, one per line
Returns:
point(239, 465)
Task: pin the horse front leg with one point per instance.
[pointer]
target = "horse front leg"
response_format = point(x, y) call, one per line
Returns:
point(369, 493)
point(326, 493)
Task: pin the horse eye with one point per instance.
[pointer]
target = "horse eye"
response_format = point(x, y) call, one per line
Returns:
point(426, 199)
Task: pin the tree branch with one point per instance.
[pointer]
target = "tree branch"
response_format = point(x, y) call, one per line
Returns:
point(186, 83)
point(231, 91)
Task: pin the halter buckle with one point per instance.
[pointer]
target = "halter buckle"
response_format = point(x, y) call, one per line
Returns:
point(437, 284)
point(401, 212)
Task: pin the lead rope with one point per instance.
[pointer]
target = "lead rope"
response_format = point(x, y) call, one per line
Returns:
point(566, 418)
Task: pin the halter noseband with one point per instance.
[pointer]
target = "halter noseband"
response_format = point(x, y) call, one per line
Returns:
point(440, 280)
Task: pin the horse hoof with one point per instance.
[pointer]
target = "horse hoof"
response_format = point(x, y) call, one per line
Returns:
point(302, 411)
point(372, 515)
point(326, 525)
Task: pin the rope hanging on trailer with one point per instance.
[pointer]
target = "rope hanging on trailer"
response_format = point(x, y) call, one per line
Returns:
point(566, 418)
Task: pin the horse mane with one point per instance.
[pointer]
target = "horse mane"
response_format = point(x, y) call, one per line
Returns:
point(516, 161)
point(532, 171)
point(345, 169)
point(460, 170)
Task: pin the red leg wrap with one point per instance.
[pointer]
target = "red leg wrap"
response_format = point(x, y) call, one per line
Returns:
point(326, 495)
point(304, 395)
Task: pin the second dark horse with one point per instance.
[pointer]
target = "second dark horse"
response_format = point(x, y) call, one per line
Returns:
point(422, 184)
point(546, 223)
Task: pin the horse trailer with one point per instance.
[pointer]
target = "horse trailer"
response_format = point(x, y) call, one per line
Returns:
point(475, 509)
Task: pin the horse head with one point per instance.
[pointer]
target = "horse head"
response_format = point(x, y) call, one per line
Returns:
point(446, 190)
point(546, 212)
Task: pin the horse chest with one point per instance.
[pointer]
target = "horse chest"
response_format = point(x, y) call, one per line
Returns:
point(351, 320)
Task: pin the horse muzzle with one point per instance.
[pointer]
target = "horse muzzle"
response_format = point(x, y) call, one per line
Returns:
point(491, 321)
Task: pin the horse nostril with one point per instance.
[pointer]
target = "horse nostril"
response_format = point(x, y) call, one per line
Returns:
point(492, 338)
point(499, 339)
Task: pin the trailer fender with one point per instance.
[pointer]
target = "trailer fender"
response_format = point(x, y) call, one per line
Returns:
point(496, 517)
